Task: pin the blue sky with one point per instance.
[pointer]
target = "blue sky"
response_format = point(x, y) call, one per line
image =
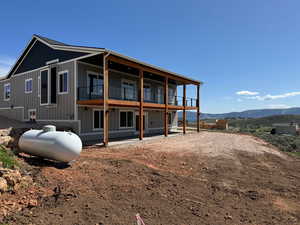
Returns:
point(246, 52)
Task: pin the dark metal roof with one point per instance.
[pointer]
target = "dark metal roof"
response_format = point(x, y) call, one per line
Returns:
point(50, 41)
point(58, 43)
point(63, 46)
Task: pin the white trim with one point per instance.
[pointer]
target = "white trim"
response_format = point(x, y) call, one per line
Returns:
point(100, 118)
point(78, 49)
point(16, 107)
point(39, 85)
point(27, 80)
point(52, 61)
point(75, 90)
point(4, 94)
point(48, 77)
point(133, 118)
point(58, 80)
point(11, 70)
point(43, 67)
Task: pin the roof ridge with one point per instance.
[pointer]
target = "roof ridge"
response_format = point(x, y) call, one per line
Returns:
point(50, 41)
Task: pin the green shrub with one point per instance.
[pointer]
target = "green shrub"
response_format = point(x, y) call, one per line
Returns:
point(7, 158)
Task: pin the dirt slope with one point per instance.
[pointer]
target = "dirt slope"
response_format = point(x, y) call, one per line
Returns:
point(206, 178)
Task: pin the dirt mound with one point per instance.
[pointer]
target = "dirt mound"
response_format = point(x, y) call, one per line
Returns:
point(206, 178)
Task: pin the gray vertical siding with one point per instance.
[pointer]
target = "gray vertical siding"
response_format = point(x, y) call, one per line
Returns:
point(63, 110)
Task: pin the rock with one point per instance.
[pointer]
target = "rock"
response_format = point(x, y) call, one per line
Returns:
point(5, 132)
point(4, 171)
point(3, 185)
point(32, 203)
point(13, 177)
point(5, 140)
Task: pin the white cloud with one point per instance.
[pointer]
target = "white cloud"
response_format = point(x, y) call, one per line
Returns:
point(5, 65)
point(279, 106)
point(273, 97)
point(247, 93)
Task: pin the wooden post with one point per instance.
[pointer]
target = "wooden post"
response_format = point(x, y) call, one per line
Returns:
point(166, 124)
point(105, 101)
point(184, 110)
point(141, 117)
point(198, 108)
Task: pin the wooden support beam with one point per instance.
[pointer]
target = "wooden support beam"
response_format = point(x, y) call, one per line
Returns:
point(184, 110)
point(166, 97)
point(141, 116)
point(105, 102)
point(198, 108)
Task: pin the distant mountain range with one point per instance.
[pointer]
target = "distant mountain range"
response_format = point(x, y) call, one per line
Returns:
point(257, 113)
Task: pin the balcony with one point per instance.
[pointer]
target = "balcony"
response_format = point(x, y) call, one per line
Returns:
point(94, 95)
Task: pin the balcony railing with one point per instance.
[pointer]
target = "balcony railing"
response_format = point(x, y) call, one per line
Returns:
point(90, 92)
point(130, 94)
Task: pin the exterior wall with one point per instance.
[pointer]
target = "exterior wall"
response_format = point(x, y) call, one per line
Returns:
point(16, 113)
point(85, 114)
point(40, 53)
point(115, 81)
point(63, 110)
point(153, 125)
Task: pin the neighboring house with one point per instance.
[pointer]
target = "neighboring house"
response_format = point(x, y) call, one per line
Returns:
point(286, 128)
point(67, 85)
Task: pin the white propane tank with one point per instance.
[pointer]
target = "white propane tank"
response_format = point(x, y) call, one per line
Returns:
point(49, 143)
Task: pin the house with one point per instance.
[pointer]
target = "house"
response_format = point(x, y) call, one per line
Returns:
point(97, 92)
point(286, 128)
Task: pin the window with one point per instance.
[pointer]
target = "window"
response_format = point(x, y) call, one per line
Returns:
point(170, 118)
point(160, 97)
point(39, 85)
point(147, 92)
point(7, 92)
point(44, 87)
point(171, 95)
point(126, 119)
point(98, 119)
point(32, 114)
point(95, 84)
point(28, 86)
point(128, 90)
point(63, 82)
point(53, 89)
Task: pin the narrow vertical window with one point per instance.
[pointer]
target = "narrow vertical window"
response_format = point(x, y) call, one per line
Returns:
point(28, 86)
point(98, 119)
point(63, 82)
point(39, 86)
point(7, 92)
point(147, 92)
point(44, 87)
point(53, 91)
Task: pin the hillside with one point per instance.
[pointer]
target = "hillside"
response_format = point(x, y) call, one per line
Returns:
point(264, 121)
point(191, 116)
point(198, 178)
